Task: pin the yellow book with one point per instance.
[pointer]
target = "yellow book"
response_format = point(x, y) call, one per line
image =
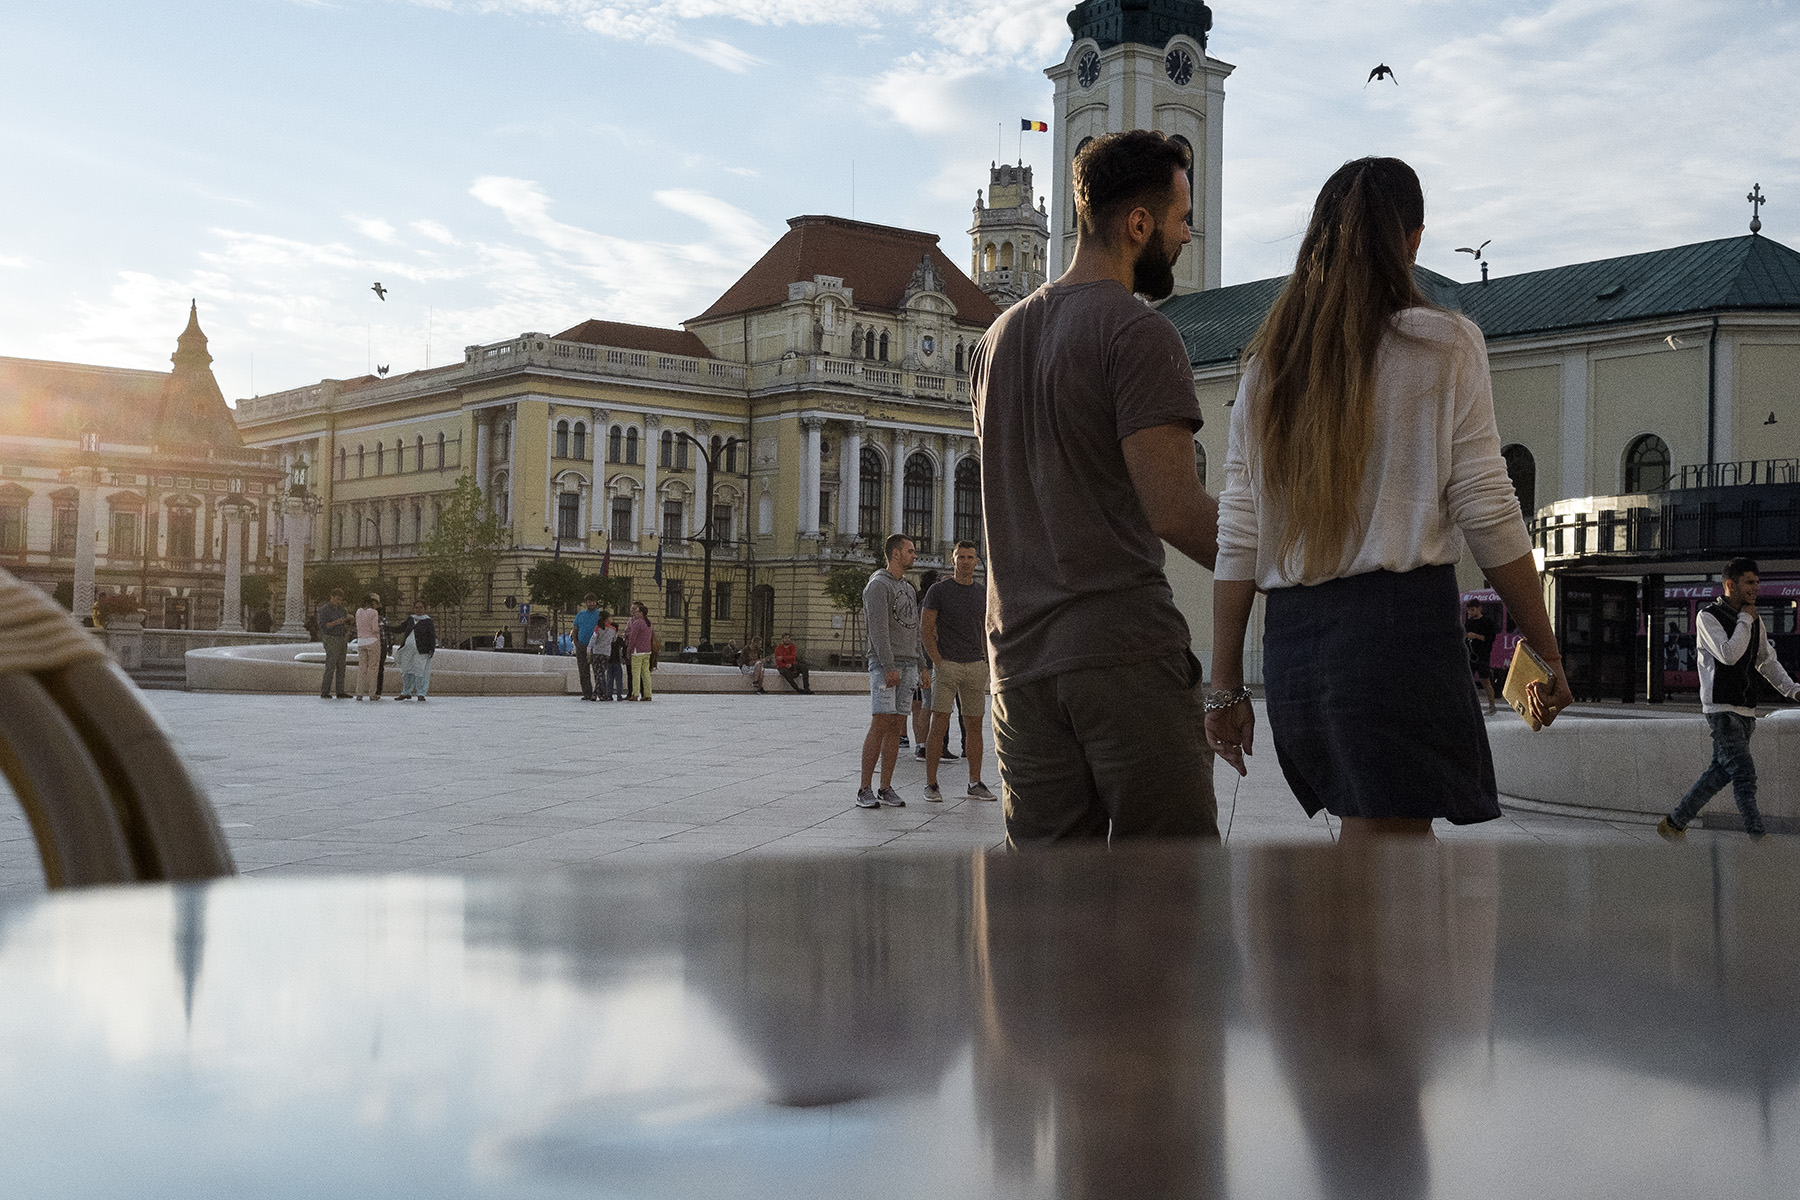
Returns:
point(1527, 668)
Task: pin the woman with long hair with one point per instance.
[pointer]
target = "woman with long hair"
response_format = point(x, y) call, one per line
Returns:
point(1363, 457)
point(639, 638)
point(369, 651)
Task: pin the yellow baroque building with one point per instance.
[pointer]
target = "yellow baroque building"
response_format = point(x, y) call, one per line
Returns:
point(838, 363)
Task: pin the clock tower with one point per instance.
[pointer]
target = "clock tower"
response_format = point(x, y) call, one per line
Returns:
point(1142, 64)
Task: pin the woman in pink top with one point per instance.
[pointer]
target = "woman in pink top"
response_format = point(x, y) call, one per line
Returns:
point(368, 647)
point(639, 637)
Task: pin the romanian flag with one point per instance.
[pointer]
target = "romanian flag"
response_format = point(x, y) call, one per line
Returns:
point(1033, 126)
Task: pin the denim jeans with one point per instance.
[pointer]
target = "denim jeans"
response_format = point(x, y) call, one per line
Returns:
point(1731, 764)
point(612, 684)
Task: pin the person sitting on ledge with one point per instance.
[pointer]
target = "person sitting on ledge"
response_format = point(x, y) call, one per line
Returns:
point(792, 669)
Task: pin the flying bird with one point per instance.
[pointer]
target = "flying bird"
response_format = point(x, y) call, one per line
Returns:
point(382, 369)
point(379, 291)
point(1382, 71)
point(1771, 419)
point(1474, 250)
point(1674, 342)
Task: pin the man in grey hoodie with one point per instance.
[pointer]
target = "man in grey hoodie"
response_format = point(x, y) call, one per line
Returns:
point(891, 612)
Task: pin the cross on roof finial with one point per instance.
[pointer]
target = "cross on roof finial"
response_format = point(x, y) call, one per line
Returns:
point(1757, 200)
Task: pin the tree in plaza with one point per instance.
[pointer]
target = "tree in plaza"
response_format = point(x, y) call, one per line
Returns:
point(461, 551)
point(844, 588)
point(611, 591)
point(255, 592)
point(556, 585)
point(328, 575)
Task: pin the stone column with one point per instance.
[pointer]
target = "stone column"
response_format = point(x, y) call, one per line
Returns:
point(231, 615)
point(86, 520)
point(809, 477)
point(296, 525)
point(850, 480)
point(897, 520)
point(483, 450)
point(947, 501)
point(597, 488)
point(702, 520)
point(649, 513)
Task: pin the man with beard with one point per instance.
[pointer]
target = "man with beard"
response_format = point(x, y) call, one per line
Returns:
point(1084, 404)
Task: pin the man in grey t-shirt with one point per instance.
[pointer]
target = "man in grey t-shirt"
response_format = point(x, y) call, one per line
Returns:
point(334, 629)
point(1084, 404)
point(891, 612)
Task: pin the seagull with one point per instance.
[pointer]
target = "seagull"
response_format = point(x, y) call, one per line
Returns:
point(1472, 250)
point(1771, 419)
point(379, 291)
point(382, 369)
point(1382, 71)
point(1675, 343)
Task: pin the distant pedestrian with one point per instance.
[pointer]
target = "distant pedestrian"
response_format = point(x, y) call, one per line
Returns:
point(750, 662)
point(418, 642)
point(1734, 648)
point(599, 650)
point(368, 647)
point(334, 634)
point(891, 612)
point(640, 641)
point(387, 646)
point(586, 621)
point(791, 666)
point(616, 660)
point(953, 630)
point(1479, 631)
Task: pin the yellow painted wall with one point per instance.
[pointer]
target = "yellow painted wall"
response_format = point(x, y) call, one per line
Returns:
point(1528, 412)
point(1658, 391)
point(1768, 380)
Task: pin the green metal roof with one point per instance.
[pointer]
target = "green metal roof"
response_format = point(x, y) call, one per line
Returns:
point(1731, 274)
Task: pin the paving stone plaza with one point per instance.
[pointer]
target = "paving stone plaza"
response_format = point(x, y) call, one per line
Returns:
point(460, 784)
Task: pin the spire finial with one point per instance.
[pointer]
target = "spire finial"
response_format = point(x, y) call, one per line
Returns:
point(1757, 200)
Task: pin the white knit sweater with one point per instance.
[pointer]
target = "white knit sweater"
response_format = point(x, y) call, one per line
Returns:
point(1435, 475)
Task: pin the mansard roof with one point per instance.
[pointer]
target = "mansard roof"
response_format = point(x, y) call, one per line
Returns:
point(651, 338)
point(1749, 273)
point(877, 262)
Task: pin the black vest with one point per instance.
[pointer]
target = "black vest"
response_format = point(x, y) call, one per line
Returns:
point(1735, 683)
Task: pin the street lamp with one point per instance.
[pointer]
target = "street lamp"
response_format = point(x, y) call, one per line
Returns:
point(297, 477)
point(708, 539)
point(380, 561)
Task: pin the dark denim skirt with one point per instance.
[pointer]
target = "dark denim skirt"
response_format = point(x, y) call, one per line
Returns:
point(1370, 701)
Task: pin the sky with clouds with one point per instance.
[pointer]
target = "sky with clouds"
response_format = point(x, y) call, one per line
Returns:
point(512, 165)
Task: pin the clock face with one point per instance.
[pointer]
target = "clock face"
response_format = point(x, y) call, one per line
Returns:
point(1088, 69)
point(928, 344)
point(1180, 66)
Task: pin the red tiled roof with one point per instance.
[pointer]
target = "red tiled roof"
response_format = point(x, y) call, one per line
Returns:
point(636, 337)
point(875, 261)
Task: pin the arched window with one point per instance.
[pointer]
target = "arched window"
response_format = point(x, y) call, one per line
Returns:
point(665, 454)
point(399, 456)
point(440, 450)
point(379, 458)
point(731, 450)
point(1183, 143)
point(960, 368)
point(581, 439)
point(1521, 468)
point(1006, 256)
point(1647, 464)
point(1200, 462)
point(419, 453)
point(883, 346)
point(362, 462)
point(915, 519)
point(343, 463)
point(968, 501)
point(562, 439)
point(681, 453)
point(712, 449)
point(615, 444)
point(631, 441)
point(869, 344)
point(989, 257)
point(868, 495)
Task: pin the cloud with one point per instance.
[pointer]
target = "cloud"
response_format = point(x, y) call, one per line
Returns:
point(373, 228)
point(436, 231)
point(11, 260)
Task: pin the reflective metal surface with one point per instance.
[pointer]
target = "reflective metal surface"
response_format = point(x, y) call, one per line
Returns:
point(1467, 1021)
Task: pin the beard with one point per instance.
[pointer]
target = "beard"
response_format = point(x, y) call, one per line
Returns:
point(1153, 274)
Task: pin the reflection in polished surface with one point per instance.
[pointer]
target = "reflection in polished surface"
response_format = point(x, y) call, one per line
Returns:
point(1413, 1021)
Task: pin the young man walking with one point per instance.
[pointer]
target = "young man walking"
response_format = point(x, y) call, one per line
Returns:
point(953, 628)
point(1480, 631)
point(585, 623)
point(1084, 404)
point(891, 612)
point(1733, 649)
point(334, 633)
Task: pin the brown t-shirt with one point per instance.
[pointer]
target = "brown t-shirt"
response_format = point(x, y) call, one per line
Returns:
point(1075, 574)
